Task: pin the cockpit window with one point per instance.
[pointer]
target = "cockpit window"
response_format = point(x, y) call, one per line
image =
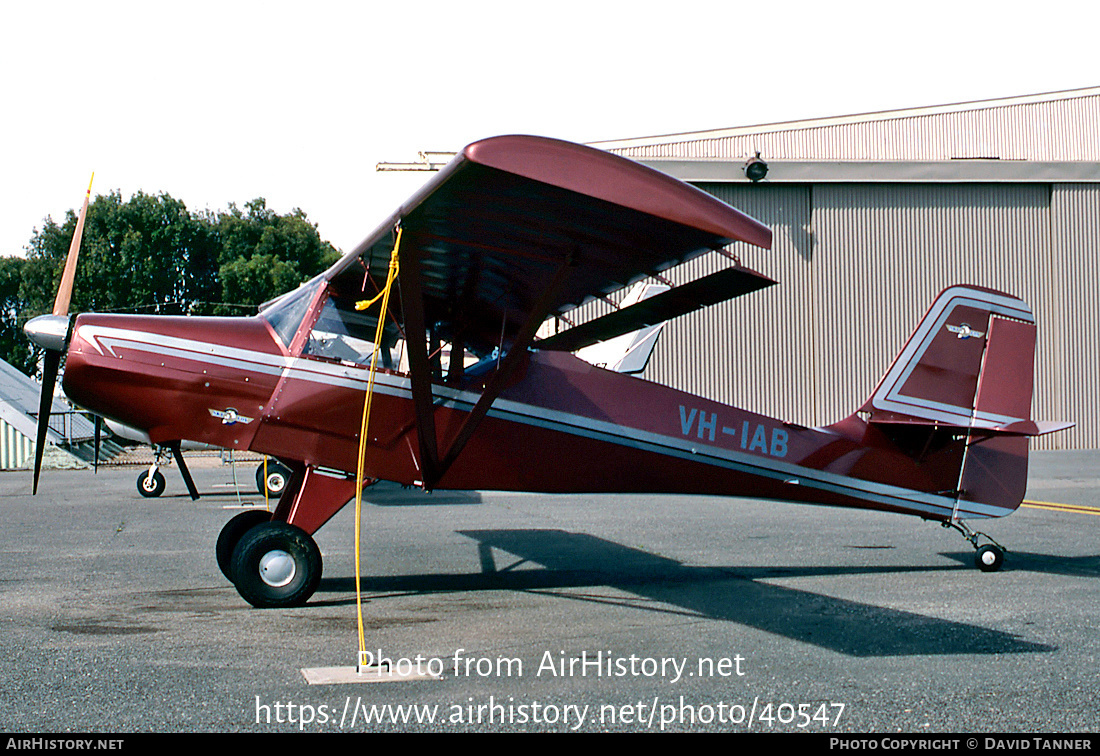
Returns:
point(345, 334)
point(286, 313)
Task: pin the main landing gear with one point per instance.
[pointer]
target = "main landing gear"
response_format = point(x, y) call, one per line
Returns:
point(272, 564)
point(275, 565)
point(987, 557)
point(272, 558)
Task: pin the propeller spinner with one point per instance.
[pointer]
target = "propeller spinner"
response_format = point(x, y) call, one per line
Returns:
point(51, 332)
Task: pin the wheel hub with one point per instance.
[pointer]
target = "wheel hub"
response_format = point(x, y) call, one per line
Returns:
point(277, 568)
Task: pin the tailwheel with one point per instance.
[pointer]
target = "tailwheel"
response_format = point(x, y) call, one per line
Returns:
point(231, 535)
point(276, 565)
point(989, 558)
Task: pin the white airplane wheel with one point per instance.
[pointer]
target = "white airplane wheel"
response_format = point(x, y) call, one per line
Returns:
point(989, 558)
point(151, 486)
point(277, 477)
point(276, 565)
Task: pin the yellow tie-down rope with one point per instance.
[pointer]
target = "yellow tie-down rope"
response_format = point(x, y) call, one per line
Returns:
point(384, 295)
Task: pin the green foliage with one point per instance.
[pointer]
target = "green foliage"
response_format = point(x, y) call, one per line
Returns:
point(264, 254)
point(14, 346)
point(150, 254)
point(257, 279)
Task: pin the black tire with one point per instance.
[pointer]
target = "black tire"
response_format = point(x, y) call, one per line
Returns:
point(231, 535)
point(989, 558)
point(278, 475)
point(151, 486)
point(276, 565)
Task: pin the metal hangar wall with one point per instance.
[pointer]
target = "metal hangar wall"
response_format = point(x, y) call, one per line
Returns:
point(874, 215)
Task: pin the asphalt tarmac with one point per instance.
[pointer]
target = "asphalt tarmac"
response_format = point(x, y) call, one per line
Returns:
point(551, 613)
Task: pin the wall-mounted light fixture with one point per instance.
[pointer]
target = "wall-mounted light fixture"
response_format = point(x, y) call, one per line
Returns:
point(755, 169)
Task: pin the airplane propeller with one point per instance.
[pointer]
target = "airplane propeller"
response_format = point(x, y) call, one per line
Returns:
point(51, 333)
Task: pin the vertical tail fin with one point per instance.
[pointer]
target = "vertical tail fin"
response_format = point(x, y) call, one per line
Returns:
point(967, 370)
point(938, 376)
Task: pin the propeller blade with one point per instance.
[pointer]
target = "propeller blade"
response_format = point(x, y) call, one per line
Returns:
point(51, 332)
point(50, 363)
point(65, 288)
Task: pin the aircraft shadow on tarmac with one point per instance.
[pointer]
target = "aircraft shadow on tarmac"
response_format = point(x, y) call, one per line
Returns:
point(734, 594)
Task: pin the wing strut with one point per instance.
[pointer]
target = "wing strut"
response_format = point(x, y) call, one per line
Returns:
point(511, 361)
point(434, 466)
point(412, 303)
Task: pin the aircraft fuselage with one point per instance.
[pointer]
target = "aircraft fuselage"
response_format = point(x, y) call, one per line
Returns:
point(562, 425)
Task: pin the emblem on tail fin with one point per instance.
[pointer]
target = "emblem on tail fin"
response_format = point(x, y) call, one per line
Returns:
point(964, 331)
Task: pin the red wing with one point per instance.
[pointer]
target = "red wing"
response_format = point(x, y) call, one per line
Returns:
point(498, 222)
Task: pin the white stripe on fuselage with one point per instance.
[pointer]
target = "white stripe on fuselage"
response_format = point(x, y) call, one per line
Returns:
point(107, 339)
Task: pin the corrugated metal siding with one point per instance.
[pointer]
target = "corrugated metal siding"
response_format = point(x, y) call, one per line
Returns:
point(858, 266)
point(1060, 129)
point(1075, 220)
point(15, 448)
point(886, 251)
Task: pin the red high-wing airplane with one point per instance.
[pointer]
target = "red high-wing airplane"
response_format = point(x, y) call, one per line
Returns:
point(515, 230)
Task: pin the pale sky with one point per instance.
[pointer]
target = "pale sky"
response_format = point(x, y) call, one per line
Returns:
point(219, 102)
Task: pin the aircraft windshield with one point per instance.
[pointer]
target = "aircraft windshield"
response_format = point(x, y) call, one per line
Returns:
point(288, 311)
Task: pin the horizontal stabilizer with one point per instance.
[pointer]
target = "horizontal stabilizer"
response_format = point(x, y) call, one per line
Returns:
point(1035, 428)
point(1018, 428)
point(708, 290)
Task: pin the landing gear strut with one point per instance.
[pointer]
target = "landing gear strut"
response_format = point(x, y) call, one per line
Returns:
point(151, 482)
point(988, 557)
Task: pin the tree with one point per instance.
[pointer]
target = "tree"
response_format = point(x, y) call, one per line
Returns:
point(146, 254)
point(150, 254)
point(254, 280)
point(264, 254)
point(14, 346)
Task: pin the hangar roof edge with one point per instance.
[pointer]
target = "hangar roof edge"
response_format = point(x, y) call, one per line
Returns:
point(859, 118)
point(720, 170)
